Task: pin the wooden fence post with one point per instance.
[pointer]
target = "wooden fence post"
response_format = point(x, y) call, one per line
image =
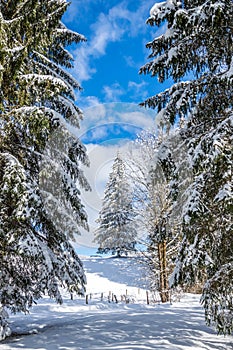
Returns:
point(147, 297)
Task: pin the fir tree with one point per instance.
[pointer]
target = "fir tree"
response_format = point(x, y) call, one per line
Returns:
point(198, 43)
point(116, 231)
point(40, 160)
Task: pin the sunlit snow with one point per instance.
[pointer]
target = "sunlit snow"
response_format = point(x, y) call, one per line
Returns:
point(103, 324)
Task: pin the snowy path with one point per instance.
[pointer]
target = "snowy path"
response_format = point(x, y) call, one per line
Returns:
point(103, 325)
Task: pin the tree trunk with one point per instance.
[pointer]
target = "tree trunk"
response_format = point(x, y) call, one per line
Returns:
point(163, 275)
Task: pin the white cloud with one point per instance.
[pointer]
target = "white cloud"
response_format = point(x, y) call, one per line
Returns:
point(108, 28)
point(89, 102)
point(139, 118)
point(136, 86)
point(98, 133)
point(130, 61)
point(105, 30)
point(93, 115)
point(138, 90)
point(113, 92)
point(102, 114)
point(82, 66)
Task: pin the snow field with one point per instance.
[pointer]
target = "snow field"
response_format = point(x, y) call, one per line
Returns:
point(101, 325)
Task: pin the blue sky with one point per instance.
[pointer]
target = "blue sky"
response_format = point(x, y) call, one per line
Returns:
point(107, 68)
point(107, 64)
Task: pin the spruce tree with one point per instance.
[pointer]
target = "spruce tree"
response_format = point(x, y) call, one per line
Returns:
point(40, 159)
point(116, 230)
point(196, 52)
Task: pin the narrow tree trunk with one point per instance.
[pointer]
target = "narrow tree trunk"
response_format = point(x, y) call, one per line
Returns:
point(163, 276)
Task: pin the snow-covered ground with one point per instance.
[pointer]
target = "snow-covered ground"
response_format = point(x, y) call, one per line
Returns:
point(104, 324)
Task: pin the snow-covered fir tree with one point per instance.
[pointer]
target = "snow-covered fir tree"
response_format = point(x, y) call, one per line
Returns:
point(40, 176)
point(117, 230)
point(198, 43)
